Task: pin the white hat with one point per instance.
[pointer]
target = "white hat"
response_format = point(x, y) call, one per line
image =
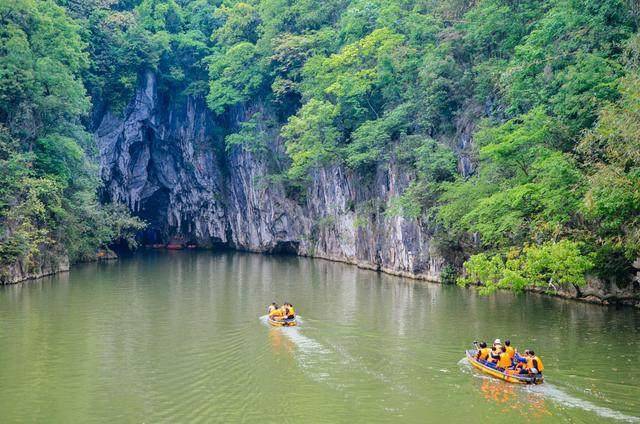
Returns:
point(497, 341)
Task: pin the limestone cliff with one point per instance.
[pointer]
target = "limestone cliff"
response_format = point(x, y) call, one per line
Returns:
point(168, 162)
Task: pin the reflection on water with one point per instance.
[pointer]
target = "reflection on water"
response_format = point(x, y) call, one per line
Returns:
point(509, 397)
point(531, 401)
point(176, 337)
point(279, 342)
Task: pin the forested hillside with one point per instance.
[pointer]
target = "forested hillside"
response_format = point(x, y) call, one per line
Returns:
point(49, 211)
point(518, 122)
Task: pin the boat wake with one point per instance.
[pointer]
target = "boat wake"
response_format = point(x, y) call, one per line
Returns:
point(549, 391)
point(304, 344)
point(324, 364)
point(311, 355)
point(555, 394)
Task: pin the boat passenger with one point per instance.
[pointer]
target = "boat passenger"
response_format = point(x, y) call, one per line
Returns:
point(276, 314)
point(510, 349)
point(534, 364)
point(496, 350)
point(504, 360)
point(285, 310)
point(521, 362)
point(521, 358)
point(483, 352)
point(290, 313)
point(272, 308)
point(497, 344)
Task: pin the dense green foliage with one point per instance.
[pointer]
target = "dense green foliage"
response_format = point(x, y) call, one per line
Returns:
point(548, 86)
point(548, 90)
point(47, 181)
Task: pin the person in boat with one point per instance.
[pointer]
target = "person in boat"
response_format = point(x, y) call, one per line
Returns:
point(271, 308)
point(497, 344)
point(534, 364)
point(277, 313)
point(510, 349)
point(521, 362)
point(494, 355)
point(504, 360)
point(289, 312)
point(483, 352)
point(285, 312)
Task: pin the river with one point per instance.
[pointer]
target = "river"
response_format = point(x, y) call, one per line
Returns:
point(179, 337)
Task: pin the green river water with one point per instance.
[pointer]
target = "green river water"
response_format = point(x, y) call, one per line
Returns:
point(178, 337)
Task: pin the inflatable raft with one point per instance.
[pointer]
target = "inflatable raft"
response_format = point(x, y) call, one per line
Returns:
point(282, 323)
point(505, 375)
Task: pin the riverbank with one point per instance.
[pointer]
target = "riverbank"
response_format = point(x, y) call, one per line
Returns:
point(48, 263)
point(596, 291)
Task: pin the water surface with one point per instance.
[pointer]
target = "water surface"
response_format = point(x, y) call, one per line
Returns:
point(178, 337)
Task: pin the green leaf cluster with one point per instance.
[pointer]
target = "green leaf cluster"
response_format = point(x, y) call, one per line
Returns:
point(48, 184)
point(515, 123)
point(550, 265)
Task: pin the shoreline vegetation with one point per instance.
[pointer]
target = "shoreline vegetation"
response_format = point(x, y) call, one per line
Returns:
point(518, 123)
point(593, 296)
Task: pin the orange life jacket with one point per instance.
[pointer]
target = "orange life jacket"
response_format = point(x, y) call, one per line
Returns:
point(276, 313)
point(511, 351)
point(483, 353)
point(530, 365)
point(504, 361)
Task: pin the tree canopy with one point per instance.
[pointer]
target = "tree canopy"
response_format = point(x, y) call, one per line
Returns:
point(540, 97)
point(47, 179)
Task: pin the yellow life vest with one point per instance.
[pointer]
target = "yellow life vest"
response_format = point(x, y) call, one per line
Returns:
point(530, 360)
point(291, 311)
point(504, 361)
point(511, 352)
point(484, 353)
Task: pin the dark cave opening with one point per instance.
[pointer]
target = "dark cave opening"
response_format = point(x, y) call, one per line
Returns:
point(286, 248)
point(153, 210)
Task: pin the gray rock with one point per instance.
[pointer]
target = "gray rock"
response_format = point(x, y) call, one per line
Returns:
point(45, 263)
point(168, 162)
point(161, 160)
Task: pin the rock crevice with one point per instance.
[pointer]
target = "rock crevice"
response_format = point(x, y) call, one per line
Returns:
point(170, 166)
point(168, 162)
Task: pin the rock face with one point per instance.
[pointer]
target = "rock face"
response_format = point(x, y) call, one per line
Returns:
point(162, 162)
point(168, 162)
point(46, 263)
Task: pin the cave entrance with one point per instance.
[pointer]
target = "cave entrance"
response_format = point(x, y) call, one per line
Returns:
point(286, 247)
point(153, 210)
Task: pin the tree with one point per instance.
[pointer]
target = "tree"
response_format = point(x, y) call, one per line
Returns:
point(235, 76)
point(48, 183)
point(311, 137)
point(552, 265)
